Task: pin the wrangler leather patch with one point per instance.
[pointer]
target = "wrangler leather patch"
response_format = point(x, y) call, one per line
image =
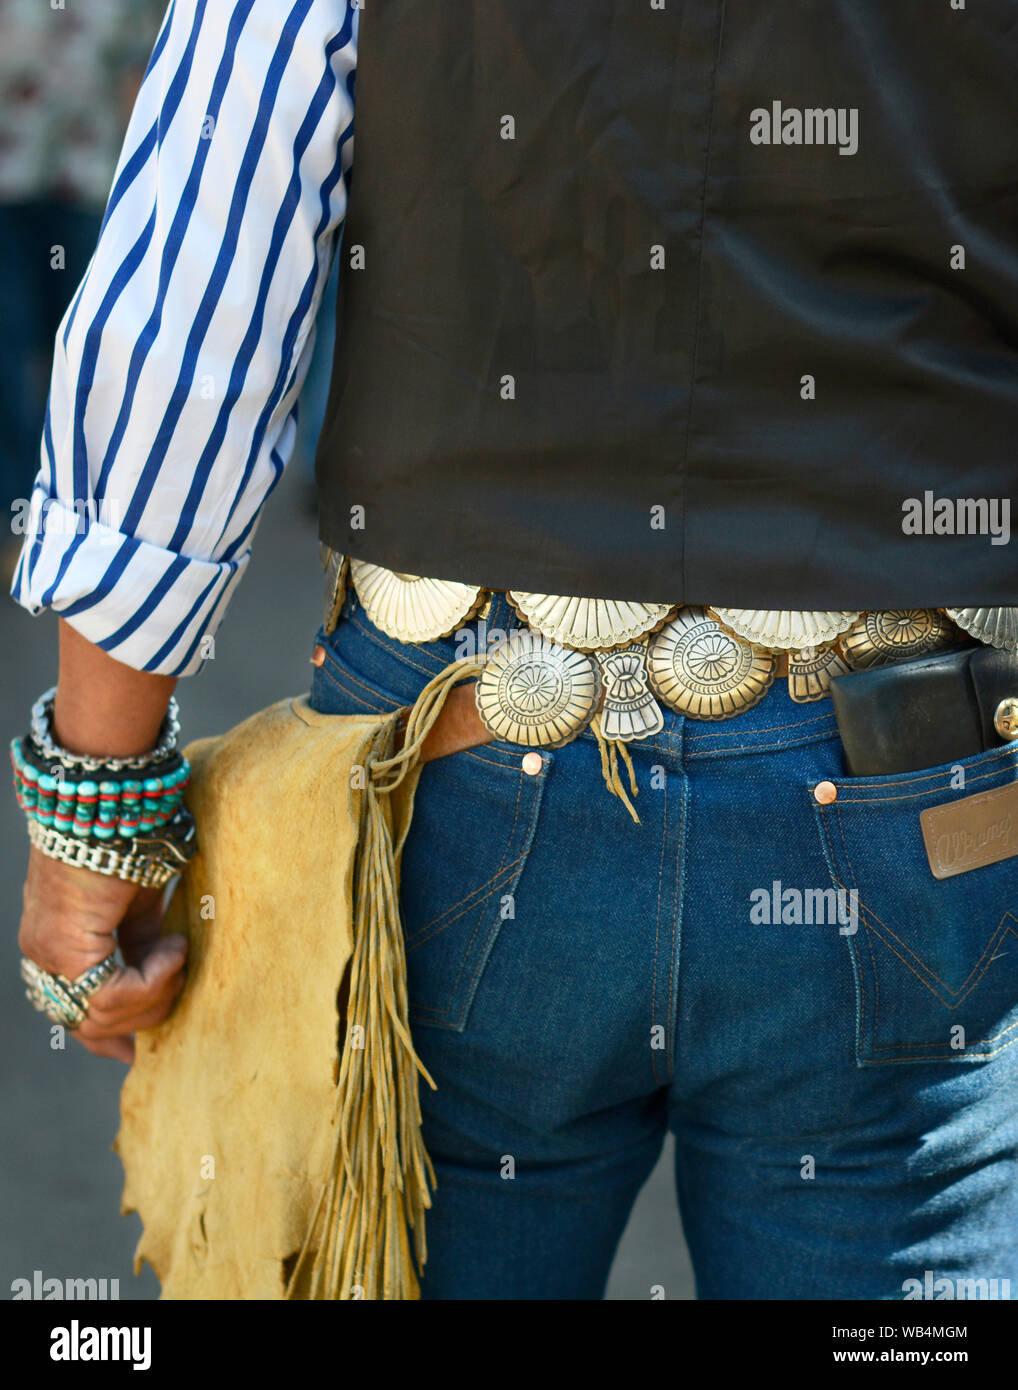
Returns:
point(965, 835)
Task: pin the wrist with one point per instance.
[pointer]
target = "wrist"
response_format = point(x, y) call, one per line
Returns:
point(103, 708)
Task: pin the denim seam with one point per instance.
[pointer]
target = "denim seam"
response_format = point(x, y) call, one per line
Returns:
point(657, 946)
point(770, 729)
point(438, 924)
point(678, 907)
point(969, 1057)
point(988, 755)
point(394, 647)
point(357, 690)
point(486, 885)
point(775, 745)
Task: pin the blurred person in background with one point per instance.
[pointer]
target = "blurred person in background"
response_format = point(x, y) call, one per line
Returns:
point(68, 80)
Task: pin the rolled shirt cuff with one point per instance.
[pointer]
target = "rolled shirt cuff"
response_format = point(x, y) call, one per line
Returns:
point(146, 606)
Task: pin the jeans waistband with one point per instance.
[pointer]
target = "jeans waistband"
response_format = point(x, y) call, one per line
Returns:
point(403, 668)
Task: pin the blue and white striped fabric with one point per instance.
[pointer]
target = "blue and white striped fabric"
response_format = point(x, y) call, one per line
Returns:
point(180, 359)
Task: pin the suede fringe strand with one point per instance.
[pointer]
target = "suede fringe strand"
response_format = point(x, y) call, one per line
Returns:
point(358, 1245)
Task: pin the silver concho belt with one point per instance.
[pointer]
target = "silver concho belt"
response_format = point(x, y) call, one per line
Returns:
point(578, 658)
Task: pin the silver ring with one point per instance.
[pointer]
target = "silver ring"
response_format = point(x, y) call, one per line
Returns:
point(61, 1000)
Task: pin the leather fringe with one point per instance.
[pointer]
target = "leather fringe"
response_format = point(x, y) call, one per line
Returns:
point(610, 753)
point(358, 1243)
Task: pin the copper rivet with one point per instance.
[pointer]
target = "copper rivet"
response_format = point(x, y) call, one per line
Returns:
point(318, 656)
point(532, 763)
point(825, 793)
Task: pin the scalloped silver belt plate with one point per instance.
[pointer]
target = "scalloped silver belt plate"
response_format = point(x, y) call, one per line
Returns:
point(612, 663)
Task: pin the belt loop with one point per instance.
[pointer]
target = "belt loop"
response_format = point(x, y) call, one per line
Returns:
point(501, 614)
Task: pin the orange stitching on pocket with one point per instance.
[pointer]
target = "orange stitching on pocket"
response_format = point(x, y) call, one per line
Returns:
point(965, 989)
point(465, 904)
point(770, 729)
point(915, 954)
point(938, 777)
point(837, 880)
point(474, 891)
point(910, 1061)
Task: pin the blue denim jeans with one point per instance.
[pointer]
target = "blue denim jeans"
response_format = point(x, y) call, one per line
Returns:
point(827, 1029)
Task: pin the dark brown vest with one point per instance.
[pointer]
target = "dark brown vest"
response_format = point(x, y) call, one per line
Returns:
point(681, 302)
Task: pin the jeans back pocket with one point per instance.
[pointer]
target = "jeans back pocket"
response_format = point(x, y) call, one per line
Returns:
point(935, 960)
point(474, 819)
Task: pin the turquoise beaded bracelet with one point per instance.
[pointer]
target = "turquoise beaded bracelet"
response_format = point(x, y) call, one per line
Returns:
point(96, 807)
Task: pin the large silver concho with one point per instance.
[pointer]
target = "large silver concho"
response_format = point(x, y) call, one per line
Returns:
point(996, 626)
point(537, 693)
point(896, 634)
point(700, 670)
point(412, 609)
point(588, 624)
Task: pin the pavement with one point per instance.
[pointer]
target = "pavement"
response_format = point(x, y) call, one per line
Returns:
point(61, 1180)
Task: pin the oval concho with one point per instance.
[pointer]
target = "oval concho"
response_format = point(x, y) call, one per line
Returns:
point(700, 670)
point(996, 626)
point(412, 609)
point(786, 630)
point(588, 624)
point(895, 634)
point(535, 693)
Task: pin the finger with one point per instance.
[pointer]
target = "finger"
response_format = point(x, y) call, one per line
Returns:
point(141, 925)
point(112, 1023)
point(118, 1006)
point(143, 982)
point(102, 1030)
point(120, 1049)
point(107, 1029)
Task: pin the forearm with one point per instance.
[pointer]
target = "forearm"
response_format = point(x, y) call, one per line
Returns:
point(103, 707)
point(71, 915)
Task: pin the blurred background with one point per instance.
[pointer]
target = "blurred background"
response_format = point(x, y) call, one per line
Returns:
point(68, 78)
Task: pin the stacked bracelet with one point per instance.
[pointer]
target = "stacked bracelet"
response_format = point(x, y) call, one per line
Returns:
point(96, 806)
point(42, 738)
point(119, 816)
point(150, 862)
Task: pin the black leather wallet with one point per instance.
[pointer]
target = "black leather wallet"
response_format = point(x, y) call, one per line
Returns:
point(916, 714)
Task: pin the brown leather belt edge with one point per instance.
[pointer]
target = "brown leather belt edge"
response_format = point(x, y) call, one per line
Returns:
point(459, 726)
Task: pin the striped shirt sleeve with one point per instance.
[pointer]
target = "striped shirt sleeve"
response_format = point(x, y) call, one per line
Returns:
point(172, 403)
